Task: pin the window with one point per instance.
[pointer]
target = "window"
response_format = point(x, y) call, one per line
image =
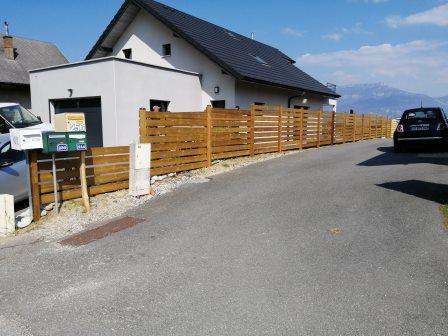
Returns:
point(260, 60)
point(301, 107)
point(219, 103)
point(166, 50)
point(232, 35)
point(259, 104)
point(127, 53)
point(423, 114)
point(161, 104)
point(9, 156)
point(4, 127)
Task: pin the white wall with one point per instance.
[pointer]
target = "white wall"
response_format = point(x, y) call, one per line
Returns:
point(249, 93)
point(136, 85)
point(123, 86)
point(146, 35)
point(87, 80)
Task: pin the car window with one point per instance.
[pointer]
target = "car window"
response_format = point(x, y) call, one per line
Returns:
point(424, 114)
point(7, 154)
point(18, 116)
point(4, 127)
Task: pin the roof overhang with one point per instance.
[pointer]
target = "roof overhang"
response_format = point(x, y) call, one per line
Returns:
point(293, 88)
point(124, 17)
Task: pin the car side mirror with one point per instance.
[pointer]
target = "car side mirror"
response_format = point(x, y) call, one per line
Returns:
point(40, 118)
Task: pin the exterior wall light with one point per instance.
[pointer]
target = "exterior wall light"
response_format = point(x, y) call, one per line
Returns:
point(217, 89)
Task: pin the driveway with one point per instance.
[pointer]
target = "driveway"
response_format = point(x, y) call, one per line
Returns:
point(338, 241)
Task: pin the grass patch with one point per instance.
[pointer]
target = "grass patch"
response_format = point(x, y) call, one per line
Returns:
point(444, 211)
point(225, 165)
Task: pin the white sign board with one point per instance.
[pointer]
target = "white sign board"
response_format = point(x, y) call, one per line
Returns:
point(24, 139)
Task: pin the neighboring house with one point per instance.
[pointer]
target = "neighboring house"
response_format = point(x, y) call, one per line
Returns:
point(18, 56)
point(152, 54)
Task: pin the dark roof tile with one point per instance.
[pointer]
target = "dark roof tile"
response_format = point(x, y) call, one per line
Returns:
point(31, 54)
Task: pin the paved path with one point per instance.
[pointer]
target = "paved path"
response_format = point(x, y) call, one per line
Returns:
point(338, 241)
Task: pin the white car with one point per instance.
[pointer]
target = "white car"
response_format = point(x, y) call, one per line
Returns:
point(12, 115)
point(13, 168)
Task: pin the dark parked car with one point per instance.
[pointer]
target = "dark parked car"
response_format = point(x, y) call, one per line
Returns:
point(426, 127)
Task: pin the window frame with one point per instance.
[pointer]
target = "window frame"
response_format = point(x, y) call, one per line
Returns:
point(127, 56)
point(163, 104)
point(167, 47)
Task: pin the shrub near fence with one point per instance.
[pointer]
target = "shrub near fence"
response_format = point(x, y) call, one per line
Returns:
point(192, 140)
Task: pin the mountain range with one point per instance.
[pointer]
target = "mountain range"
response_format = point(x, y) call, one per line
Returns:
point(385, 100)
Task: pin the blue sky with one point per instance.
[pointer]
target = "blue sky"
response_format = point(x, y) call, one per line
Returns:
point(402, 43)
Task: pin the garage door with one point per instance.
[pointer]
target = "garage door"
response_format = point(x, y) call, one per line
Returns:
point(91, 107)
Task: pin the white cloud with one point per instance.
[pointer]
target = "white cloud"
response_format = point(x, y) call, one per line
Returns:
point(436, 16)
point(292, 32)
point(340, 33)
point(333, 37)
point(420, 66)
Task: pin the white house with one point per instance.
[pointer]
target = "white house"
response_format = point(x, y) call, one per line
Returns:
point(152, 54)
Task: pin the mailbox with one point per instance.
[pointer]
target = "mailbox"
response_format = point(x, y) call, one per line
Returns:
point(24, 139)
point(77, 141)
point(70, 122)
point(56, 142)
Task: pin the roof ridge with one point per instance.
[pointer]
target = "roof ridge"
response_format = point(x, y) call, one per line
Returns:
point(31, 39)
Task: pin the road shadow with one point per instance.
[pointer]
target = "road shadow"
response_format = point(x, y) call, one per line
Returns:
point(434, 192)
point(388, 157)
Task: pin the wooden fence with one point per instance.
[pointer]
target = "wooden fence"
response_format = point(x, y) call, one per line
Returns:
point(107, 170)
point(192, 140)
point(184, 141)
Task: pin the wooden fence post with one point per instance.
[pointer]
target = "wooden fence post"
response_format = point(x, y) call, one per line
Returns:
point(354, 128)
point(318, 128)
point(370, 127)
point(83, 178)
point(376, 133)
point(279, 130)
point(301, 129)
point(208, 113)
point(142, 124)
point(362, 128)
point(34, 176)
point(344, 127)
point(333, 127)
point(252, 130)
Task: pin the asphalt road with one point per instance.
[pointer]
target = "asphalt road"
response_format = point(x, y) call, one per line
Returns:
point(338, 241)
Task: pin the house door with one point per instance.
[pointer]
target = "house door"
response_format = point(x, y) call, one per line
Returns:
point(91, 107)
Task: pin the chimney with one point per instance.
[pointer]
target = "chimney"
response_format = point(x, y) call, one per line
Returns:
point(8, 43)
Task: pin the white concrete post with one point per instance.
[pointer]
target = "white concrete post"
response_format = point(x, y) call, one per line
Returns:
point(139, 169)
point(7, 220)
